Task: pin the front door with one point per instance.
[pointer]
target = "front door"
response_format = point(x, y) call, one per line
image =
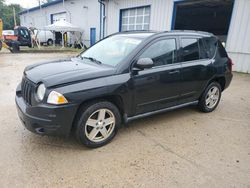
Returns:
point(92, 36)
point(158, 87)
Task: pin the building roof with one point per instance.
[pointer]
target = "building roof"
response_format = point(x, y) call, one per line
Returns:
point(42, 6)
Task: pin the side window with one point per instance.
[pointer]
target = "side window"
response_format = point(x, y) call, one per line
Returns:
point(24, 33)
point(190, 48)
point(203, 52)
point(222, 50)
point(211, 45)
point(162, 52)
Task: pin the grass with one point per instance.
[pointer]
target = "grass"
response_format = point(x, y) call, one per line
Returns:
point(49, 49)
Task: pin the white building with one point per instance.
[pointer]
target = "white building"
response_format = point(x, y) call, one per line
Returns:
point(82, 13)
point(228, 19)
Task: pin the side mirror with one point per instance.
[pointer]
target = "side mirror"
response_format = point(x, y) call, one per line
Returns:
point(144, 63)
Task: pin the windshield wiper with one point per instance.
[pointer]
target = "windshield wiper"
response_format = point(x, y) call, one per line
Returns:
point(92, 59)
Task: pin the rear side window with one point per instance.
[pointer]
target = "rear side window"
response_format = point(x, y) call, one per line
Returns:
point(203, 50)
point(210, 45)
point(190, 48)
point(222, 50)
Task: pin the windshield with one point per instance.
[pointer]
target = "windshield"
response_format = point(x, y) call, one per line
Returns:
point(113, 50)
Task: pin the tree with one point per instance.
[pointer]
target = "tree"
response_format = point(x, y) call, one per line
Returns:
point(6, 14)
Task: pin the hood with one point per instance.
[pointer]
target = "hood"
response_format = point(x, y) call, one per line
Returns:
point(64, 71)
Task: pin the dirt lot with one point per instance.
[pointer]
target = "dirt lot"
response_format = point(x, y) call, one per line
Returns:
point(183, 148)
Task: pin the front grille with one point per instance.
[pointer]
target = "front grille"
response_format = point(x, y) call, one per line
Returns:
point(27, 89)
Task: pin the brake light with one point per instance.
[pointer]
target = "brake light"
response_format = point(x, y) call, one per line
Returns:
point(230, 64)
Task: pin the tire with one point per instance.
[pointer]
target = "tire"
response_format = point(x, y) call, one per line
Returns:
point(50, 42)
point(96, 133)
point(1, 45)
point(210, 97)
point(15, 48)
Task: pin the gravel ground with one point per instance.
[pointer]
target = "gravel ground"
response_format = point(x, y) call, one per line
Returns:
point(182, 148)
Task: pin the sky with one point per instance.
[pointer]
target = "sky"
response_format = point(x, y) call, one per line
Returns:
point(23, 3)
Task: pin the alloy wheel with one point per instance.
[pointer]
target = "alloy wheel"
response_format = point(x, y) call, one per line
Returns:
point(100, 125)
point(212, 97)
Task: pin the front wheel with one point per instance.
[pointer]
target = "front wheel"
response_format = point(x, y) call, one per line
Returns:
point(210, 98)
point(97, 124)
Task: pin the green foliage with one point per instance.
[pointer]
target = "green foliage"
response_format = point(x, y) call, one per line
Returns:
point(6, 14)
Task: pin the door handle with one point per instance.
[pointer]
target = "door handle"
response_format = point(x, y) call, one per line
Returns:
point(174, 72)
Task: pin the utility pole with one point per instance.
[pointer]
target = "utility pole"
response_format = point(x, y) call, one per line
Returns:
point(14, 14)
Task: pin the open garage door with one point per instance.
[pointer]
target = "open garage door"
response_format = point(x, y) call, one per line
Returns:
point(204, 15)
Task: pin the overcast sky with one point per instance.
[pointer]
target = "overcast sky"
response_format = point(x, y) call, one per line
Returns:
point(23, 3)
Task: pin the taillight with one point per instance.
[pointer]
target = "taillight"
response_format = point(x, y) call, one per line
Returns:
point(230, 64)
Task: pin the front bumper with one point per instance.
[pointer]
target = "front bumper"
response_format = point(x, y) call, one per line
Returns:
point(45, 119)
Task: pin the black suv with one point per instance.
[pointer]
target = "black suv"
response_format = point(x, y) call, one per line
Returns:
point(125, 76)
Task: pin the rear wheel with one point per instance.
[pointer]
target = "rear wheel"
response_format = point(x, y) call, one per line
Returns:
point(210, 98)
point(15, 48)
point(97, 124)
point(1, 45)
point(50, 42)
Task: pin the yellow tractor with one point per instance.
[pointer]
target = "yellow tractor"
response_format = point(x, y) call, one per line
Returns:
point(21, 37)
point(2, 43)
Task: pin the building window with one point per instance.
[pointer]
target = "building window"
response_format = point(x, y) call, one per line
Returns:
point(135, 19)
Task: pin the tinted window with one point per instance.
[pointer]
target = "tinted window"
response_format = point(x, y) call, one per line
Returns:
point(161, 52)
point(210, 45)
point(190, 49)
point(222, 50)
point(203, 51)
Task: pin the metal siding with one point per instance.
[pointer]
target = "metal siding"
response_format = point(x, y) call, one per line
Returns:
point(84, 14)
point(160, 18)
point(238, 42)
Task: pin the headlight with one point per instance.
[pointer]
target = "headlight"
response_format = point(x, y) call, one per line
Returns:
point(56, 98)
point(41, 91)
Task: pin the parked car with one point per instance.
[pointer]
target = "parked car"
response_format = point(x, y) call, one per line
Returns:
point(126, 76)
point(44, 37)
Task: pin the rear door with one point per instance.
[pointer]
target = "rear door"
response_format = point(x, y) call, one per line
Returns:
point(196, 68)
point(158, 87)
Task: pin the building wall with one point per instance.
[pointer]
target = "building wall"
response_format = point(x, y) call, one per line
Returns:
point(238, 39)
point(238, 42)
point(82, 13)
point(86, 14)
point(160, 19)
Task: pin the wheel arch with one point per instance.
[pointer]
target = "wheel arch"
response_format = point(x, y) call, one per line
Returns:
point(114, 99)
point(220, 79)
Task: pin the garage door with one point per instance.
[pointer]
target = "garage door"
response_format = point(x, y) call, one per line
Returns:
point(58, 16)
point(204, 15)
point(135, 19)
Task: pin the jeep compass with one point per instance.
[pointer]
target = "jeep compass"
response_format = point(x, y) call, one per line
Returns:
point(123, 77)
